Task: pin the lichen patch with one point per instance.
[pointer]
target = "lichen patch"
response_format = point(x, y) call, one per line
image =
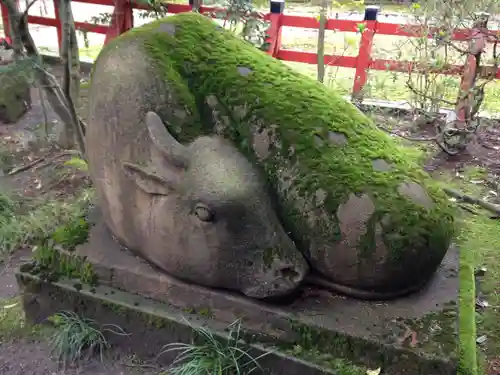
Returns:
point(168, 28)
point(244, 71)
point(380, 165)
point(262, 144)
point(416, 194)
point(320, 196)
point(337, 138)
point(353, 216)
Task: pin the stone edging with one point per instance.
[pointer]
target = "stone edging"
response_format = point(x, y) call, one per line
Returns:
point(467, 316)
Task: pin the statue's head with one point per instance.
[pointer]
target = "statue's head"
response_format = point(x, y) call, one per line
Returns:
point(208, 217)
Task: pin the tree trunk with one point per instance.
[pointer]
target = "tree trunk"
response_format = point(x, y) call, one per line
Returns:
point(71, 62)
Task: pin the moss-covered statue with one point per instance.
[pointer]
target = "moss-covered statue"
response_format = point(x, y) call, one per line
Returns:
point(225, 168)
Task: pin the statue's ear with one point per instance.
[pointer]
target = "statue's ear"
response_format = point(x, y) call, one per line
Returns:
point(176, 156)
point(174, 152)
point(149, 181)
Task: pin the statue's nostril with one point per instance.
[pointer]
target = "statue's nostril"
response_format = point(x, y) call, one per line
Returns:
point(290, 274)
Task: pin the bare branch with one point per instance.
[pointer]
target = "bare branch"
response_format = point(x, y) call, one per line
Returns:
point(412, 88)
point(429, 139)
point(495, 208)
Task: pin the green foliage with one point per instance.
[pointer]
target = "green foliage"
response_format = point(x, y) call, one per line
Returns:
point(52, 262)
point(72, 234)
point(77, 163)
point(24, 224)
point(327, 360)
point(75, 337)
point(8, 207)
point(212, 355)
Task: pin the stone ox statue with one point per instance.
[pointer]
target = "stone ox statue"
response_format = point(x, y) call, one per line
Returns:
point(225, 168)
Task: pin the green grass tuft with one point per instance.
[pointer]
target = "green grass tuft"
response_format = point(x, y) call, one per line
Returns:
point(212, 355)
point(75, 337)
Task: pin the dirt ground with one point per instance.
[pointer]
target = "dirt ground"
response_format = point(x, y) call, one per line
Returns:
point(28, 355)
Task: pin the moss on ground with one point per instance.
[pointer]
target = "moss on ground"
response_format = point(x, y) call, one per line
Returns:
point(326, 360)
point(335, 350)
point(11, 318)
point(13, 322)
point(199, 60)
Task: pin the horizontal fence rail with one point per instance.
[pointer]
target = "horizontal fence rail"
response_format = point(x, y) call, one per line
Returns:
point(122, 20)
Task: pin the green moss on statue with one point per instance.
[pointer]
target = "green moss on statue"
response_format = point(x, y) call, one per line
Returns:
point(324, 157)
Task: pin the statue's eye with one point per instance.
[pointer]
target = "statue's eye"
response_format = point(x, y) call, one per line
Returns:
point(203, 213)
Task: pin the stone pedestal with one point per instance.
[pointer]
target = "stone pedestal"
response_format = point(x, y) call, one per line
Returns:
point(412, 335)
point(15, 95)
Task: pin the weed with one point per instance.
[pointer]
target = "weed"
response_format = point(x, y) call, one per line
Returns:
point(75, 336)
point(72, 234)
point(7, 206)
point(212, 355)
point(338, 365)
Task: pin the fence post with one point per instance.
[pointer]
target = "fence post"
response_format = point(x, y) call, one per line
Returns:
point(276, 9)
point(365, 51)
point(196, 5)
point(122, 19)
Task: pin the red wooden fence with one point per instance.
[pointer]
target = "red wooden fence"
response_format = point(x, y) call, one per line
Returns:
point(122, 20)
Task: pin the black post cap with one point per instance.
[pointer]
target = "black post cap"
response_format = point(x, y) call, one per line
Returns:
point(277, 6)
point(371, 13)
